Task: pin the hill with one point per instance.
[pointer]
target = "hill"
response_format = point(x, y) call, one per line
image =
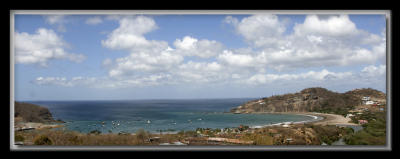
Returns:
point(32, 113)
point(314, 99)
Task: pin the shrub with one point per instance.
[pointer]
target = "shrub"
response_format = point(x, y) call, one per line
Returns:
point(75, 140)
point(19, 138)
point(141, 135)
point(374, 133)
point(43, 140)
point(96, 132)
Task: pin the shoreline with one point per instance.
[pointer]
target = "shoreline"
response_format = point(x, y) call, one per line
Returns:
point(327, 119)
point(319, 119)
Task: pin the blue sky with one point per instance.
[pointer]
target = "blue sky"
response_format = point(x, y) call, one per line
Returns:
point(101, 57)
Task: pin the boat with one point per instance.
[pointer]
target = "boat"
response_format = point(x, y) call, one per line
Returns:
point(148, 121)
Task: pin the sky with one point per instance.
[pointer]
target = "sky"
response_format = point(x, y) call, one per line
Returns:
point(124, 57)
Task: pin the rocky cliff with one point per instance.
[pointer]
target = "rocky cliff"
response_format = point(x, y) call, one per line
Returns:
point(32, 113)
point(310, 99)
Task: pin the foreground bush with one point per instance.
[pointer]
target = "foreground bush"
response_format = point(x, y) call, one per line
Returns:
point(43, 140)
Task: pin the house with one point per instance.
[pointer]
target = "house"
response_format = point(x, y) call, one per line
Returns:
point(349, 115)
point(366, 98)
point(369, 102)
point(362, 121)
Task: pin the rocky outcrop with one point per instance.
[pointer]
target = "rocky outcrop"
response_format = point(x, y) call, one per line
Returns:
point(308, 100)
point(32, 113)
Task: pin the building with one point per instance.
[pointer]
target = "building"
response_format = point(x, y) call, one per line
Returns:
point(369, 102)
point(349, 115)
point(366, 98)
point(362, 121)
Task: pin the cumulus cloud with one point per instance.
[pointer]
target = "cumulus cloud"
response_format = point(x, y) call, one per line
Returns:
point(259, 30)
point(94, 20)
point(318, 41)
point(143, 62)
point(190, 46)
point(332, 26)
point(373, 71)
point(237, 60)
point(130, 35)
point(42, 46)
point(152, 56)
point(200, 72)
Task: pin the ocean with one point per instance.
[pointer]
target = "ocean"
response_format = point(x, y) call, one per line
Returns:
point(158, 115)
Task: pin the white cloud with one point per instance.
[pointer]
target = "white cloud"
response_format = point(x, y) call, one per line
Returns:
point(200, 72)
point(129, 35)
point(63, 81)
point(103, 82)
point(311, 75)
point(94, 20)
point(149, 57)
point(238, 60)
point(327, 41)
point(59, 20)
point(189, 46)
point(259, 30)
point(143, 62)
point(154, 62)
point(331, 26)
point(372, 70)
point(41, 47)
point(55, 19)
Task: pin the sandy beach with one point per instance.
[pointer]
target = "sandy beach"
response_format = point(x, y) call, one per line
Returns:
point(37, 125)
point(328, 119)
point(332, 119)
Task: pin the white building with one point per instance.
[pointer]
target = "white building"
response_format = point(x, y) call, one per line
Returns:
point(349, 115)
point(369, 102)
point(366, 98)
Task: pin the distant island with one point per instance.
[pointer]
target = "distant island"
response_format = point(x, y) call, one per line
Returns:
point(356, 117)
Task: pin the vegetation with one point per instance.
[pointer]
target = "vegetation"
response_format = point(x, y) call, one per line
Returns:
point(259, 139)
point(19, 138)
point(327, 134)
point(43, 140)
point(373, 133)
point(142, 135)
point(32, 113)
point(95, 132)
point(315, 99)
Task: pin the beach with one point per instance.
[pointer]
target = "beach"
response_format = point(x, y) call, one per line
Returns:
point(332, 119)
point(327, 119)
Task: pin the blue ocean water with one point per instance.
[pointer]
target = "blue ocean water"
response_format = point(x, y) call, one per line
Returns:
point(155, 115)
